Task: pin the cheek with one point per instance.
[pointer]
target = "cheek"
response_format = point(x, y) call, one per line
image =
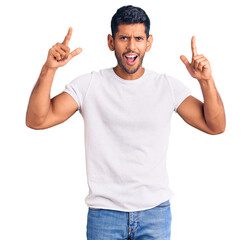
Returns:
point(119, 47)
point(142, 48)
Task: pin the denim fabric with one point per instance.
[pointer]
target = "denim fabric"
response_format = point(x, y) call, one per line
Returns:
point(154, 223)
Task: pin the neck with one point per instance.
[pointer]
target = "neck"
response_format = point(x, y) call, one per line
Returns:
point(127, 76)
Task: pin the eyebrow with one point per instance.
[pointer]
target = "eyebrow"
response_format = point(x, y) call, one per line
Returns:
point(125, 35)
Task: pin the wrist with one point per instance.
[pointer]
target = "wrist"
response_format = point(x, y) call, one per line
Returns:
point(207, 85)
point(47, 68)
point(47, 73)
point(206, 82)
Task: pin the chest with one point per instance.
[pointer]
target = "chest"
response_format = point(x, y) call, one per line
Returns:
point(130, 107)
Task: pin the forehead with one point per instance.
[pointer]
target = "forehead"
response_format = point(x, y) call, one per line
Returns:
point(129, 29)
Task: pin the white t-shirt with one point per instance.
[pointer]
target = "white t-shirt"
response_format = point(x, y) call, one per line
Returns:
point(127, 126)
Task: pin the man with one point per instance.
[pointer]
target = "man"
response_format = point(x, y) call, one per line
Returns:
point(127, 112)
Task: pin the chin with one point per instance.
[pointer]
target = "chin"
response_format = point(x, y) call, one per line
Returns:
point(130, 70)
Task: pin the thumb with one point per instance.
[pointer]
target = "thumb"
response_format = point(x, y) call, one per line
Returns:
point(185, 61)
point(75, 53)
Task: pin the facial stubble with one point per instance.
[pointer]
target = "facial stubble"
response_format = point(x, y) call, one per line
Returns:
point(120, 63)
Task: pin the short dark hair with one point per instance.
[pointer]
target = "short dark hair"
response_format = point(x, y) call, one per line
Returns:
point(129, 15)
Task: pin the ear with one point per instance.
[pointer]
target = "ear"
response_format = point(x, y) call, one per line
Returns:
point(149, 43)
point(111, 43)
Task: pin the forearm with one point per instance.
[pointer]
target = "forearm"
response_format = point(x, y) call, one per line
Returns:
point(39, 103)
point(214, 112)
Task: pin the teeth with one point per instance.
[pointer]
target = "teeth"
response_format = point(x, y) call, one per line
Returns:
point(131, 56)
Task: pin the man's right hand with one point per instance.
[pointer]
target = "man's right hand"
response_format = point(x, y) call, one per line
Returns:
point(59, 55)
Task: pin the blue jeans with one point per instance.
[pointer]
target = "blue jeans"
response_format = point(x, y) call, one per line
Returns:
point(154, 223)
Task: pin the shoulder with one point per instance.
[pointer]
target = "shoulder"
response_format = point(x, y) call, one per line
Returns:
point(174, 82)
point(81, 79)
point(158, 75)
point(152, 73)
point(167, 79)
point(86, 78)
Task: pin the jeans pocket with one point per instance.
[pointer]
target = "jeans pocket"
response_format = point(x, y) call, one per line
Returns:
point(164, 204)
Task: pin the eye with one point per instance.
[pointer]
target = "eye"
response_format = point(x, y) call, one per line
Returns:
point(123, 38)
point(139, 38)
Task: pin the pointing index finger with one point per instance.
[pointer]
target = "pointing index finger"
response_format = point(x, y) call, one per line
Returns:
point(68, 37)
point(194, 48)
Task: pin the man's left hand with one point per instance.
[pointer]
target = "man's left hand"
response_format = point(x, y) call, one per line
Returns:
point(199, 68)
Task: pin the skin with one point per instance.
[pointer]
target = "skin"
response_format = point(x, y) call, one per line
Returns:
point(209, 116)
point(130, 39)
point(43, 112)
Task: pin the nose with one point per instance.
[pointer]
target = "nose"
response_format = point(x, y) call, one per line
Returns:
point(131, 44)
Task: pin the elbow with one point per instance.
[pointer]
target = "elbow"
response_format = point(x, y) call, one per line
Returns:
point(32, 124)
point(217, 127)
point(32, 127)
point(218, 131)
point(222, 128)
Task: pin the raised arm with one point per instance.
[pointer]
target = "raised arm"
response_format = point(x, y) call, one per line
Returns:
point(210, 115)
point(42, 111)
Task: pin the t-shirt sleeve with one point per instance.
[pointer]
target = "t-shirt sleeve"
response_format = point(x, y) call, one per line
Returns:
point(78, 89)
point(179, 92)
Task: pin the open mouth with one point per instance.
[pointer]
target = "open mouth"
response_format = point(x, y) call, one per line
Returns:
point(131, 58)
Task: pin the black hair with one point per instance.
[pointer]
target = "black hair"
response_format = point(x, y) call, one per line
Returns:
point(129, 15)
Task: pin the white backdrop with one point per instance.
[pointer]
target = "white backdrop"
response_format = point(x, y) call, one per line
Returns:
point(42, 173)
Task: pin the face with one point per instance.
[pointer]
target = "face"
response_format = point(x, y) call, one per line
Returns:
point(130, 45)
